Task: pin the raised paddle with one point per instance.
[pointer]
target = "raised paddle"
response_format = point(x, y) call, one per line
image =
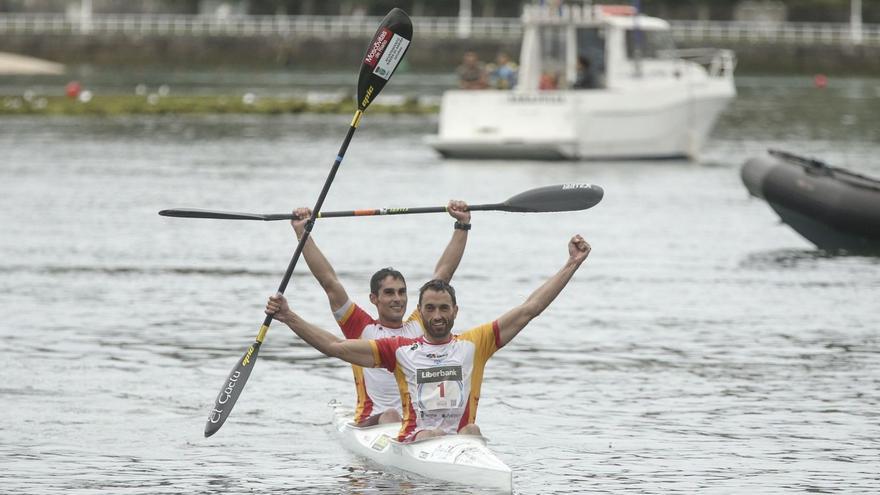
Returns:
point(563, 197)
point(383, 55)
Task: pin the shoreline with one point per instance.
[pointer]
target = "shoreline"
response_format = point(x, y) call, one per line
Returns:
point(153, 104)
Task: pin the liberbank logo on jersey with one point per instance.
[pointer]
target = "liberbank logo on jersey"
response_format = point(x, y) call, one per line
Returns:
point(439, 374)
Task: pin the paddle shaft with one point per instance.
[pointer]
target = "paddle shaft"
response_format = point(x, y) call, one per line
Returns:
point(562, 197)
point(383, 211)
point(317, 209)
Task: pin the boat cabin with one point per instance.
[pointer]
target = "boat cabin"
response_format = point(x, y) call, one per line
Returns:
point(595, 46)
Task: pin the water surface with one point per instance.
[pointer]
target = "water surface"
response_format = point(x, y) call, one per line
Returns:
point(703, 347)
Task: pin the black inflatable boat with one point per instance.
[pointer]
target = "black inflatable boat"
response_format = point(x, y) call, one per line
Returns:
point(833, 208)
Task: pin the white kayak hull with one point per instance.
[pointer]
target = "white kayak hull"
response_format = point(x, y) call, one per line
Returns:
point(463, 459)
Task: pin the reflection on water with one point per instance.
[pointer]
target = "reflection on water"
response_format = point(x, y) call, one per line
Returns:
point(704, 346)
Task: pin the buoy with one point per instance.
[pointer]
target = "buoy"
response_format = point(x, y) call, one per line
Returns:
point(820, 81)
point(72, 89)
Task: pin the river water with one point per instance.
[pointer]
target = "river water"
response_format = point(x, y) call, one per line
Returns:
point(703, 347)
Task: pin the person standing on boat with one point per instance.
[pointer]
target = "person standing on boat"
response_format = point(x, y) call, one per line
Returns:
point(472, 72)
point(378, 399)
point(585, 77)
point(502, 74)
point(438, 374)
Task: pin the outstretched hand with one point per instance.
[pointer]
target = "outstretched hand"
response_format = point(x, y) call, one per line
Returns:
point(578, 249)
point(459, 210)
point(299, 223)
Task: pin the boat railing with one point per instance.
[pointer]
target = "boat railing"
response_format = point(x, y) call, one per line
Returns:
point(717, 61)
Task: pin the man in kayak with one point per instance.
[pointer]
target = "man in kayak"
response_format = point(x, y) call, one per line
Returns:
point(438, 374)
point(378, 400)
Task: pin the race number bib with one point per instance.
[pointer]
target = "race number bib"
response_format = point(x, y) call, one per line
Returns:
point(439, 388)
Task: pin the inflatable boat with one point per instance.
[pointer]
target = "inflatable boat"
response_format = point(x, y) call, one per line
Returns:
point(831, 207)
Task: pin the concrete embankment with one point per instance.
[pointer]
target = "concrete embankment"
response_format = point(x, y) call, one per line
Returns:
point(425, 55)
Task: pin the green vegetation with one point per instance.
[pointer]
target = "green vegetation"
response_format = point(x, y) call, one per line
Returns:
point(153, 105)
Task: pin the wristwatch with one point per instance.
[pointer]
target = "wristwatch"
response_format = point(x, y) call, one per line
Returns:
point(462, 226)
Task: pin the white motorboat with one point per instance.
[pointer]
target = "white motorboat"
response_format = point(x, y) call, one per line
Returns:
point(462, 459)
point(638, 97)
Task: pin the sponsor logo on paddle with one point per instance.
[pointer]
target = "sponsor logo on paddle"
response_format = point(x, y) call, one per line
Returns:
point(247, 358)
point(224, 396)
point(367, 96)
point(378, 45)
point(386, 211)
point(227, 392)
point(391, 57)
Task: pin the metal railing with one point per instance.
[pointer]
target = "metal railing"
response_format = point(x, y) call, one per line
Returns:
point(718, 62)
point(195, 25)
point(495, 28)
point(798, 33)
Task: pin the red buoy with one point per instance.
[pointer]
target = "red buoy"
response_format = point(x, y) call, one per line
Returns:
point(72, 89)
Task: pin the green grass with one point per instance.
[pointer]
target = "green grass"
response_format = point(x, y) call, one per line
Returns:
point(156, 105)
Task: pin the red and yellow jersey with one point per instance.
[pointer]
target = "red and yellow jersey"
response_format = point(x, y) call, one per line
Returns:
point(376, 388)
point(439, 383)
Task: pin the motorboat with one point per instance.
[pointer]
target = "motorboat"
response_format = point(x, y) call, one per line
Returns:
point(594, 82)
point(832, 207)
point(462, 459)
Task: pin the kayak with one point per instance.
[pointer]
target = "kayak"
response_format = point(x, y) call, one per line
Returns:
point(463, 459)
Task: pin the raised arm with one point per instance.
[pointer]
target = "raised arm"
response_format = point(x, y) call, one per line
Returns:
point(451, 257)
point(355, 351)
point(517, 318)
point(318, 264)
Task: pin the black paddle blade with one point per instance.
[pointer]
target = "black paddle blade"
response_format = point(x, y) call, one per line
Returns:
point(384, 54)
point(223, 215)
point(234, 385)
point(562, 197)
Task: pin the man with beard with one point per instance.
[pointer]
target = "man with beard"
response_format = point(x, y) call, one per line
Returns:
point(439, 374)
point(378, 399)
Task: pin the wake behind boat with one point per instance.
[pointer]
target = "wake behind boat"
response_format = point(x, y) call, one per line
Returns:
point(463, 459)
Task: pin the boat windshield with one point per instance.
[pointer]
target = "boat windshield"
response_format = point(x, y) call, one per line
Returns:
point(591, 46)
point(642, 43)
point(552, 57)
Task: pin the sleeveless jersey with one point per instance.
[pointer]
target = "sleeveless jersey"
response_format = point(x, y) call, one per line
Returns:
point(439, 383)
point(376, 388)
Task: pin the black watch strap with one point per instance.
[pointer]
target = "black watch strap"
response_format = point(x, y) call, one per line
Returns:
point(462, 226)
